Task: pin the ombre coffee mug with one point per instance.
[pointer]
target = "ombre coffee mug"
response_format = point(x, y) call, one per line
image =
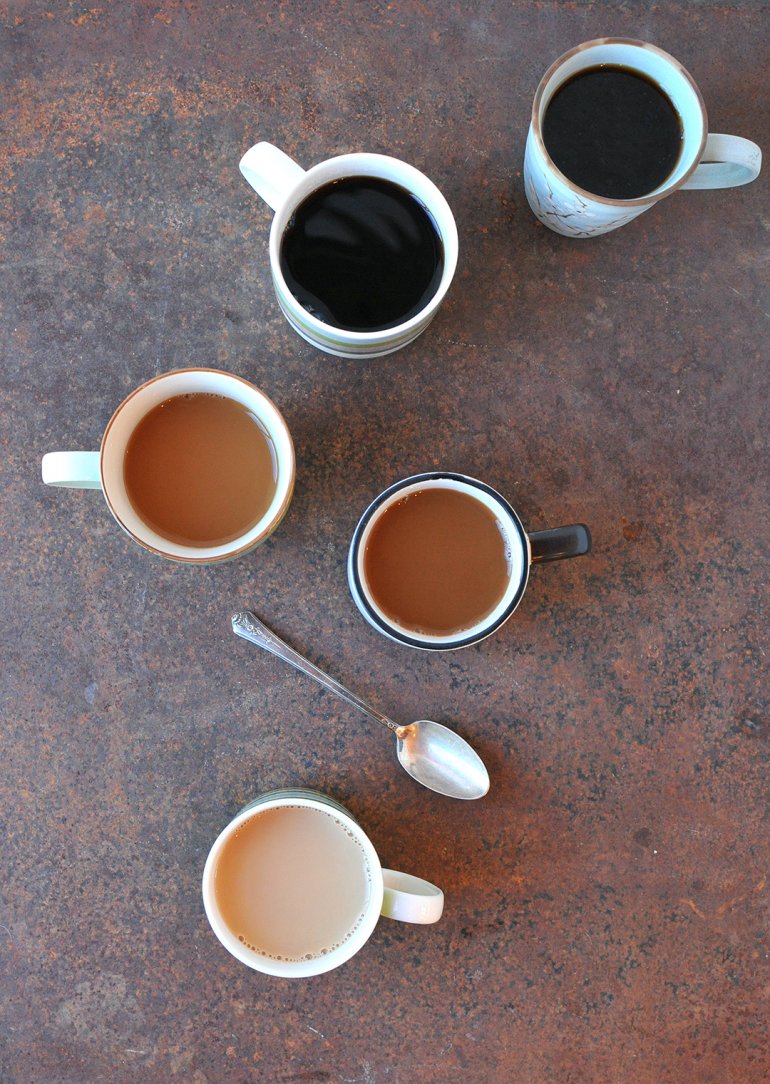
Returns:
point(196, 465)
point(293, 886)
point(440, 561)
point(698, 159)
point(363, 248)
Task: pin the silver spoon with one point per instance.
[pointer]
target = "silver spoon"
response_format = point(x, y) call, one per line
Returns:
point(432, 754)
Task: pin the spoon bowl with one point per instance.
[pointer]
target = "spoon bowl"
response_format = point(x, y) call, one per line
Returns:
point(440, 759)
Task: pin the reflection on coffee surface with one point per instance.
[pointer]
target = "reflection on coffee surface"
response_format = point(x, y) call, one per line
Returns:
point(613, 132)
point(437, 561)
point(292, 883)
point(362, 254)
point(200, 470)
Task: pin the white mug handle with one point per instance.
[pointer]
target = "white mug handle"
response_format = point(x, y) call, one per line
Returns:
point(727, 162)
point(73, 470)
point(270, 172)
point(410, 899)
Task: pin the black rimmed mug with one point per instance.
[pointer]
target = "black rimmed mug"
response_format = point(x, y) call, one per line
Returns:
point(522, 551)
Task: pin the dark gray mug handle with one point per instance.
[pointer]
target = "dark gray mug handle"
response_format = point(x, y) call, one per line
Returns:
point(560, 542)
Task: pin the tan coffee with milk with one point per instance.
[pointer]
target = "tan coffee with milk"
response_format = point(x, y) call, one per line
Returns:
point(200, 469)
point(292, 883)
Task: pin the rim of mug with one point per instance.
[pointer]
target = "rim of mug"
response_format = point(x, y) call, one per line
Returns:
point(361, 597)
point(230, 554)
point(329, 332)
point(292, 968)
point(639, 201)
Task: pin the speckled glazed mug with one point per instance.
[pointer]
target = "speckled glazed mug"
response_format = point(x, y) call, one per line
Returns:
point(284, 185)
point(705, 161)
point(104, 469)
point(391, 894)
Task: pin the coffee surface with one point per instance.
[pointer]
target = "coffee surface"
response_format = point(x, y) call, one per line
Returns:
point(292, 883)
point(200, 470)
point(613, 132)
point(362, 254)
point(437, 562)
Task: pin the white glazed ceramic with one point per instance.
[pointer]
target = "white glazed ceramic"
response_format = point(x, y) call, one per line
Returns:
point(522, 550)
point(393, 894)
point(104, 469)
point(284, 185)
point(706, 161)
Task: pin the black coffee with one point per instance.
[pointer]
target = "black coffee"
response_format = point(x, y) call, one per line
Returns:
point(362, 254)
point(613, 132)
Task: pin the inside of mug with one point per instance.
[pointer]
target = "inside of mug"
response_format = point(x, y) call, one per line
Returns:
point(284, 967)
point(518, 558)
point(389, 169)
point(663, 70)
point(150, 395)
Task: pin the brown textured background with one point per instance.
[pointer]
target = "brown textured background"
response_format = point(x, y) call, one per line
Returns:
point(607, 903)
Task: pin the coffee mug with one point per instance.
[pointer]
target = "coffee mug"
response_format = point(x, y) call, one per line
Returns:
point(520, 550)
point(705, 160)
point(293, 886)
point(284, 185)
point(105, 469)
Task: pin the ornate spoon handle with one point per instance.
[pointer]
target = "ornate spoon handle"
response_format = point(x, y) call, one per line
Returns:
point(249, 627)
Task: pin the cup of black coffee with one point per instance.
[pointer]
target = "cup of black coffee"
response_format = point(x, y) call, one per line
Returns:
point(616, 126)
point(363, 248)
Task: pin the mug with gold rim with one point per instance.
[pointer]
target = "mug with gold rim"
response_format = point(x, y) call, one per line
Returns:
point(104, 469)
point(706, 160)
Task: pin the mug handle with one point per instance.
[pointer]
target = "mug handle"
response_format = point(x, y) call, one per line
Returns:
point(410, 899)
point(72, 470)
point(270, 172)
point(560, 542)
point(727, 162)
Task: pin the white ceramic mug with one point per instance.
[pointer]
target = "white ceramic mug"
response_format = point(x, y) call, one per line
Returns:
point(104, 469)
point(522, 550)
point(392, 894)
point(705, 161)
point(284, 185)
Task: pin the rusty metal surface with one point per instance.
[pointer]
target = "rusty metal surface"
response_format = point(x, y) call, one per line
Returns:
point(607, 903)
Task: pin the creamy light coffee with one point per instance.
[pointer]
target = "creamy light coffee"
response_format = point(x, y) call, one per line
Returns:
point(293, 886)
point(292, 883)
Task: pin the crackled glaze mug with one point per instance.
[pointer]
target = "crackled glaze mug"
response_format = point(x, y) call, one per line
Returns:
point(284, 186)
point(104, 469)
point(293, 886)
point(705, 160)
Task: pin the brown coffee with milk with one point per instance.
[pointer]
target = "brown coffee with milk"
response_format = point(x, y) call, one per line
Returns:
point(292, 883)
point(437, 561)
point(200, 469)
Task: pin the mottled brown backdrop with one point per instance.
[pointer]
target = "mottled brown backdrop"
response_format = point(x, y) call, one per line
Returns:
point(607, 903)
